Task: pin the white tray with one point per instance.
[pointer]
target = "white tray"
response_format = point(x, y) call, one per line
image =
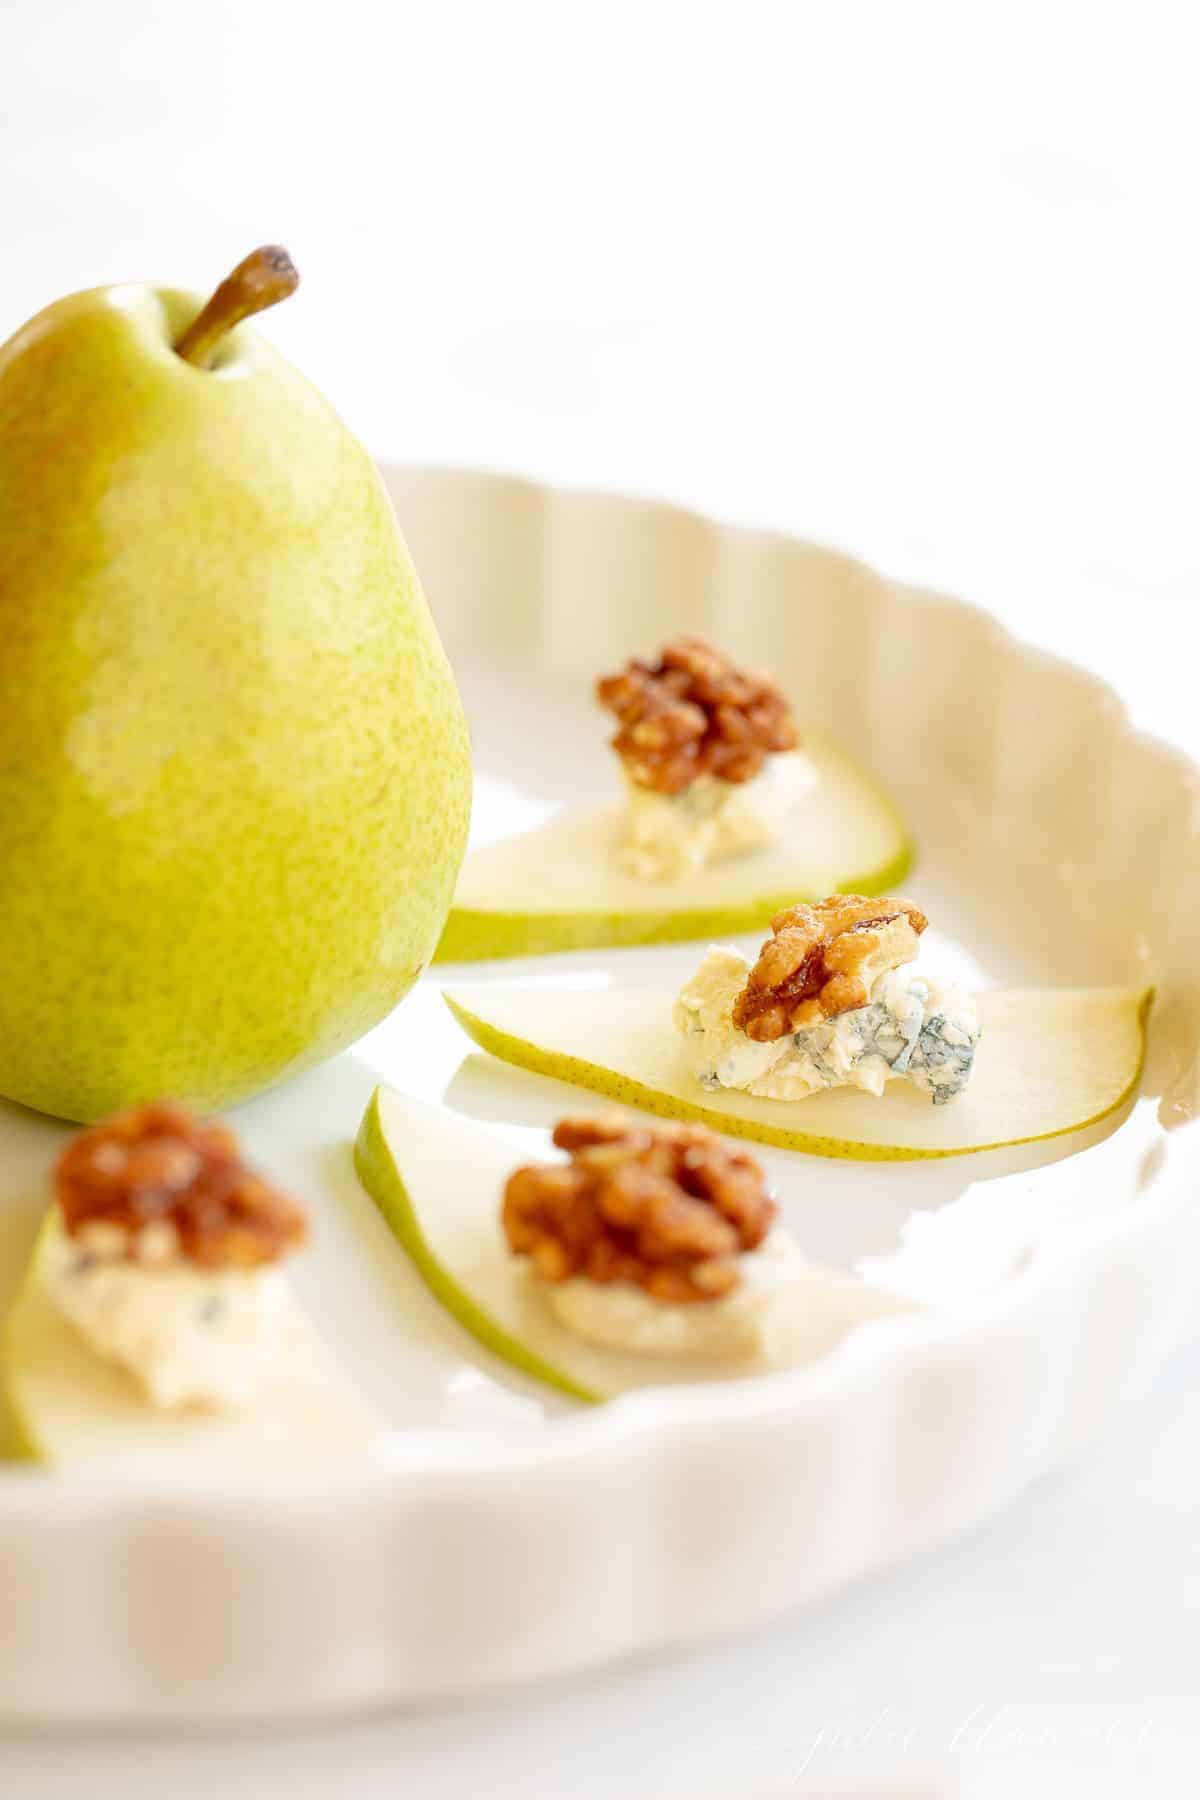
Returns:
point(502, 1537)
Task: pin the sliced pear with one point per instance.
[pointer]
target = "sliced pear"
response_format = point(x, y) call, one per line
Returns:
point(1050, 1060)
point(437, 1179)
point(65, 1406)
point(561, 887)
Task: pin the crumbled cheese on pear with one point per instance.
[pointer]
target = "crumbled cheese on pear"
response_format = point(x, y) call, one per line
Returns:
point(912, 1028)
point(742, 1324)
point(188, 1336)
point(670, 836)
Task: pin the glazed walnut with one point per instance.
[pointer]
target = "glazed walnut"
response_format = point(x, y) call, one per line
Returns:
point(155, 1182)
point(668, 1208)
point(693, 713)
point(822, 960)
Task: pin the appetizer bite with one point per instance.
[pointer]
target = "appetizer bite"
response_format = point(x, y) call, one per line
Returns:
point(167, 1259)
point(798, 1049)
point(724, 818)
point(710, 757)
point(648, 1238)
point(829, 1003)
point(156, 1313)
point(642, 1255)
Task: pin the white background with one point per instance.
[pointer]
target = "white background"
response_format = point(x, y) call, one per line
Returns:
point(917, 279)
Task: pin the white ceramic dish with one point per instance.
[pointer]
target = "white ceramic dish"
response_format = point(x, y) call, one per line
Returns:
point(501, 1537)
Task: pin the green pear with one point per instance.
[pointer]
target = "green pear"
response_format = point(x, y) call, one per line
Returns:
point(438, 1180)
point(62, 1405)
point(234, 771)
point(1050, 1061)
point(561, 887)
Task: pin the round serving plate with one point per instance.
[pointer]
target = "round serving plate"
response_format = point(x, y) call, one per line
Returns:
point(500, 1535)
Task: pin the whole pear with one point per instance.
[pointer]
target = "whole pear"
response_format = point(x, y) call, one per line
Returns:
point(234, 772)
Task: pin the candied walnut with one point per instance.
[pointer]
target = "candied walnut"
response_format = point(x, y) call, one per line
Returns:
point(822, 960)
point(668, 1208)
point(694, 713)
point(155, 1181)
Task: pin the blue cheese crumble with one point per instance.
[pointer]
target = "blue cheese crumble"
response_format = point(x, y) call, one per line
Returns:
point(618, 1316)
point(670, 836)
point(188, 1336)
point(912, 1028)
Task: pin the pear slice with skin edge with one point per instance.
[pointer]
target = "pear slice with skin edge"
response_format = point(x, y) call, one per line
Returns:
point(1050, 1061)
point(62, 1405)
point(561, 887)
point(438, 1180)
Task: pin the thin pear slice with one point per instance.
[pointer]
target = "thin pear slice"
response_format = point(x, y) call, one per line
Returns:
point(69, 1408)
point(437, 1179)
point(1050, 1060)
point(561, 887)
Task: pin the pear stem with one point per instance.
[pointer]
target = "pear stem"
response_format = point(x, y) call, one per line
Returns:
point(267, 276)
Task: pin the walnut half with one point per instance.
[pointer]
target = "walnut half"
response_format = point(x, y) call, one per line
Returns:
point(668, 1208)
point(694, 713)
point(157, 1178)
point(822, 960)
